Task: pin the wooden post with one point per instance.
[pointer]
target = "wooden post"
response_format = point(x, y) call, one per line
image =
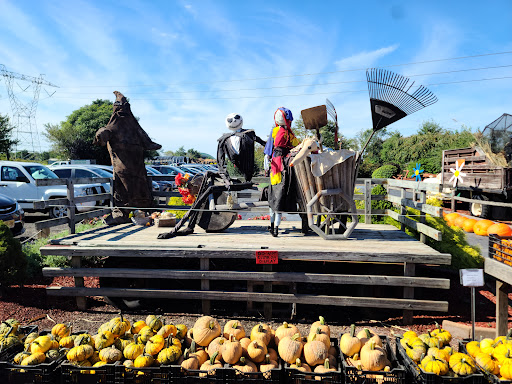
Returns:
point(423, 220)
point(453, 202)
point(502, 290)
point(267, 288)
point(112, 192)
point(409, 270)
point(205, 284)
point(79, 282)
point(367, 201)
point(250, 288)
point(71, 205)
point(403, 209)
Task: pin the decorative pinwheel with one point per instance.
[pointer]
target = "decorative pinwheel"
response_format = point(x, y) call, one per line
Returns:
point(457, 173)
point(418, 171)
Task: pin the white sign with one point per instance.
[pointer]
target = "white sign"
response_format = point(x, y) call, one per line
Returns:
point(472, 277)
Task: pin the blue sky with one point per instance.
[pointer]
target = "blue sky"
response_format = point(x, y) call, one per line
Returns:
point(185, 65)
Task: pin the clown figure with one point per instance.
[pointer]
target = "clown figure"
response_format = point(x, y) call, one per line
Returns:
point(238, 146)
point(283, 191)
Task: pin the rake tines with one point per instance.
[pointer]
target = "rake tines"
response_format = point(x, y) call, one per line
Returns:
point(331, 111)
point(390, 98)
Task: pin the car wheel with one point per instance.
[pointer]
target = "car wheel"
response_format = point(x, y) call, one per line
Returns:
point(58, 211)
point(482, 211)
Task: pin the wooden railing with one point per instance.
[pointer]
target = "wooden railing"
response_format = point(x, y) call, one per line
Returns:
point(402, 193)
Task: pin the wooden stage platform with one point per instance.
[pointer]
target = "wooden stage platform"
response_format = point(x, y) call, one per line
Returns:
point(371, 244)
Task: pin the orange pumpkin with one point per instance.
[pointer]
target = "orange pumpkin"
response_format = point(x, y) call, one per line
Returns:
point(481, 227)
point(469, 224)
point(450, 218)
point(459, 221)
point(499, 229)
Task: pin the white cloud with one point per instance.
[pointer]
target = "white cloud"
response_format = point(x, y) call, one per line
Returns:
point(365, 59)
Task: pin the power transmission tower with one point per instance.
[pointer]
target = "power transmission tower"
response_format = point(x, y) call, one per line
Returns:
point(24, 112)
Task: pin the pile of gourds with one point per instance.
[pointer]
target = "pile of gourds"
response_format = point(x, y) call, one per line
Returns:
point(9, 334)
point(493, 356)
point(313, 353)
point(433, 354)
point(364, 350)
point(146, 343)
point(478, 227)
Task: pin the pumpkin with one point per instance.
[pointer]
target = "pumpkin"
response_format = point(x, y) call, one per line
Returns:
point(434, 365)
point(349, 343)
point(232, 351)
point(31, 337)
point(181, 330)
point(322, 325)
point(211, 365)
point(481, 227)
point(438, 353)
point(245, 366)
point(128, 363)
point(122, 342)
point(450, 218)
point(53, 354)
point(110, 355)
point(273, 354)
point(268, 364)
point(323, 368)
point(18, 358)
point(303, 367)
point(414, 348)
point(501, 352)
point(284, 330)
point(170, 341)
point(167, 330)
point(290, 348)
point(34, 359)
point(215, 346)
point(235, 328)
point(257, 351)
point(60, 330)
point(365, 335)
point(462, 364)
point(506, 369)
point(188, 361)
point(154, 345)
point(80, 353)
point(198, 353)
point(143, 361)
point(9, 339)
point(103, 340)
point(54, 344)
point(41, 344)
point(118, 325)
point(499, 229)
point(154, 322)
point(373, 359)
point(67, 342)
point(83, 338)
point(133, 350)
point(94, 358)
point(409, 334)
point(206, 328)
point(487, 363)
point(169, 355)
point(430, 340)
point(244, 342)
point(320, 337)
point(9, 325)
point(469, 225)
point(145, 334)
point(315, 351)
point(473, 348)
point(442, 334)
point(137, 326)
point(261, 332)
point(487, 345)
point(459, 221)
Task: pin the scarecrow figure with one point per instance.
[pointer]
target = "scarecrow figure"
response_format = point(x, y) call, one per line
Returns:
point(283, 187)
point(126, 142)
point(238, 145)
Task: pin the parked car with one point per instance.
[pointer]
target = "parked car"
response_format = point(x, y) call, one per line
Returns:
point(18, 181)
point(154, 185)
point(165, 185)
point(71, 171)
point(170, 170)
point(12, 215)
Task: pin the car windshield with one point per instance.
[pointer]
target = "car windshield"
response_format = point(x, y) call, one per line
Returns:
point(153, 171)
point(102, 172)
point(39, 172)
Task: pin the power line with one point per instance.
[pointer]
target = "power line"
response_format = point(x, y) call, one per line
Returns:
point(300, 85)
point(298, 75)
point(291, 95)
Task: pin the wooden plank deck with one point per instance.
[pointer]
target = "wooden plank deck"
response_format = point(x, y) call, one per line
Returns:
point(369, 245)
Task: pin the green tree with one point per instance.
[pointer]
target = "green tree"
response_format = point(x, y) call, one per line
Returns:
point(6, 140)
point(327, 132)
point(12, 259)
point(74, 137)
point(180, 151)
point(193, 154)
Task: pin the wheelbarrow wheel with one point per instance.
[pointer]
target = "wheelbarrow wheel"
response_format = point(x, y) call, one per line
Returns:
point(216, 221)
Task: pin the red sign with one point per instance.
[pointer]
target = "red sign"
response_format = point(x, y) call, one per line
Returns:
point(267, 257)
